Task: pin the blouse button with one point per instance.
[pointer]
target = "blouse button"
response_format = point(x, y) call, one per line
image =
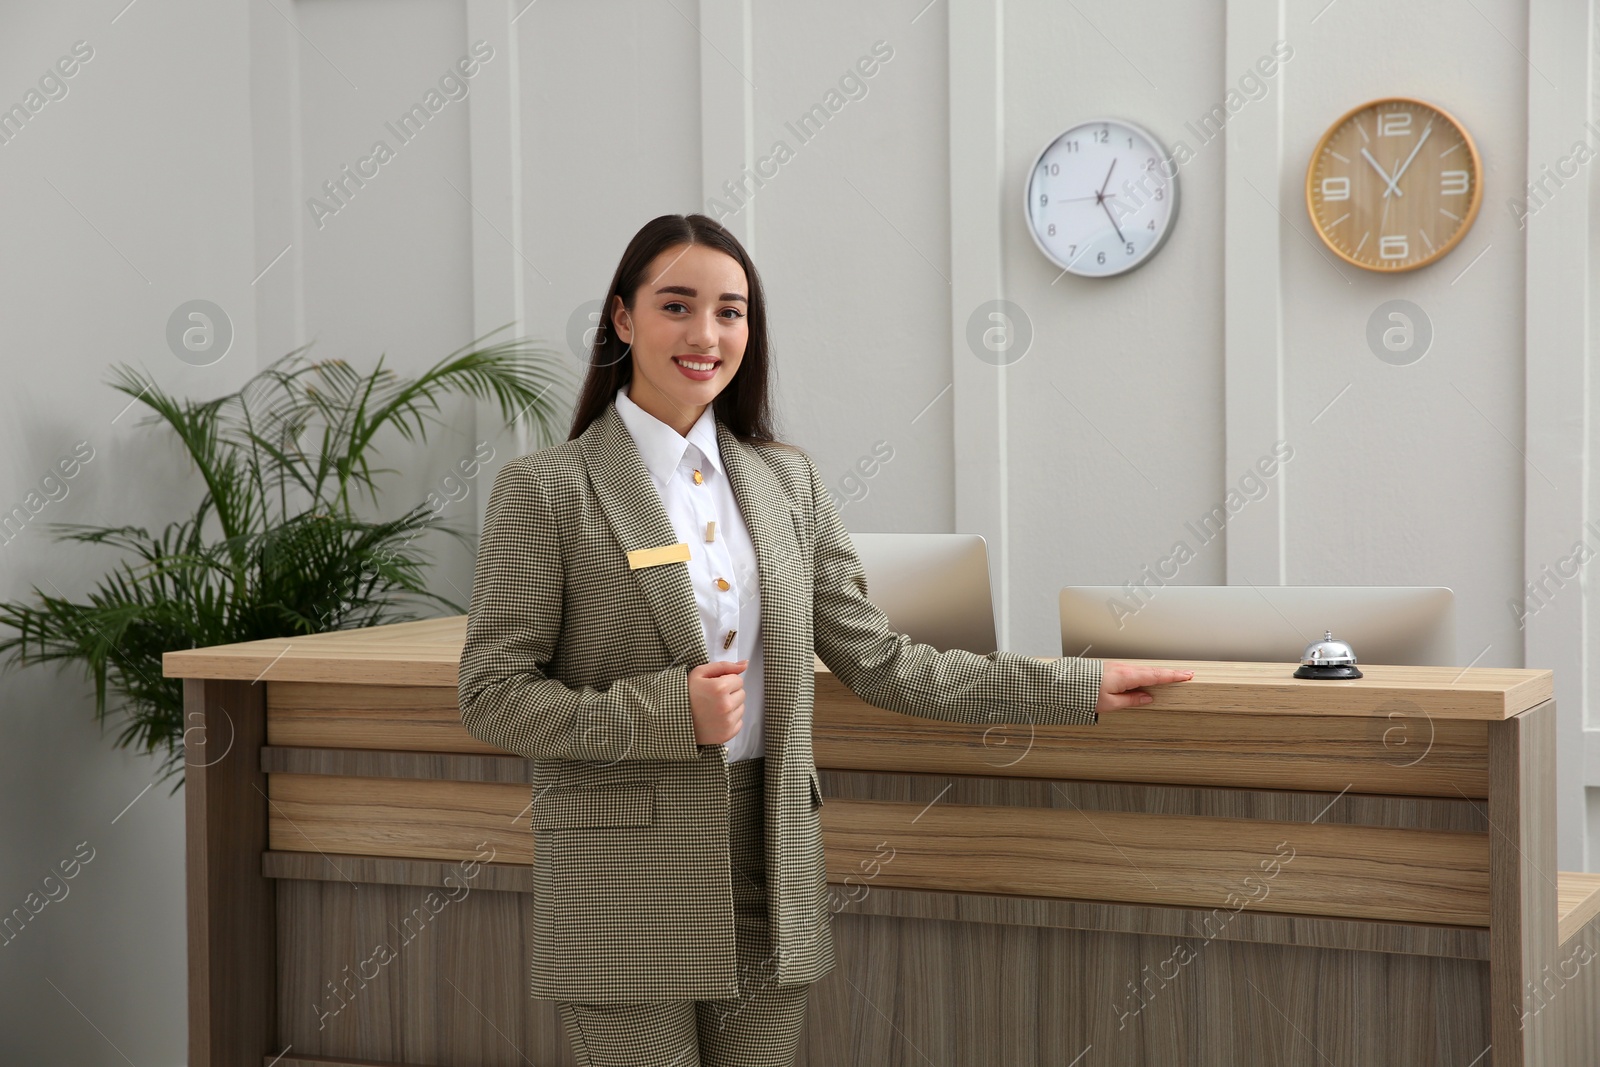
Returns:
point(697, 478)
point(722, 583)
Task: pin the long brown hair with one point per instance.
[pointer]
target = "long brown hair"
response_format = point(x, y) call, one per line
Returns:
point(744, 405)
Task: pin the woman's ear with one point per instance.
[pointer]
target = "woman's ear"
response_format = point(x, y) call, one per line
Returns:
point(622, 322)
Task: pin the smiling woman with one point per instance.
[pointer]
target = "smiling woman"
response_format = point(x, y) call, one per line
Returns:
point(684, 313)
point(649, 602)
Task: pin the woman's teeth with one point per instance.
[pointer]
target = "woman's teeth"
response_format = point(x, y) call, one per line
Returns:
point(693, 365)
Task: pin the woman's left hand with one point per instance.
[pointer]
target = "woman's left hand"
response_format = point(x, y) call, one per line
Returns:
point(1120, 682)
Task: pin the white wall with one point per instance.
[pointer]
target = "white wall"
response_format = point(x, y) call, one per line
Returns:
point(126, 197)
point(180, 162)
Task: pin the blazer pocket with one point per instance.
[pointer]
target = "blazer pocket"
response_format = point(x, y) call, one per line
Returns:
point(608, 806)
point(816, 790)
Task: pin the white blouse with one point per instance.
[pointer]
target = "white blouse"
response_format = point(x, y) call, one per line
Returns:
point(719, 555)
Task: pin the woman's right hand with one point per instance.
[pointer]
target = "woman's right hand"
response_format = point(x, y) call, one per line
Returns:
point(716, 698)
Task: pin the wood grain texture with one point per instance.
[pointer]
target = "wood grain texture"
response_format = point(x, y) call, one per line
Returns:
point(372, 763)
point(393, 717)
point(856, 898)
point(1571, 993)
point(1359, 935)
point(1577, 902)
point(230, 905)
point(1482, 693)
point(409, 975)
point(1345, 871)
point(1341, 808)
point(1522, 872)
point(320, 1061)
point(907, 993)
point(1408, 754)
point(405, 653)
point(391, 870)
point(397, 817)
point(452, 993)
point(427, 653)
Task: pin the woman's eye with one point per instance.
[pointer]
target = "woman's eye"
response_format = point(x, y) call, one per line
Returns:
point(678, 305)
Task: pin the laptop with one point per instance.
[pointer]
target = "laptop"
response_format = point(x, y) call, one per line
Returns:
point(1408, 625)
point(933, 586)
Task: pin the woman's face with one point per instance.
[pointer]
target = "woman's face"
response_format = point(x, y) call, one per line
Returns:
point(688, 329)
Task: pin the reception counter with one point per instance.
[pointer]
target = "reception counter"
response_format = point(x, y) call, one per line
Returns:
point(1253, 869)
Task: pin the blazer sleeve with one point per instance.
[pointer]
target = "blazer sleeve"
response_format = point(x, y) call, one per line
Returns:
point(506, 699)
point(890, 671)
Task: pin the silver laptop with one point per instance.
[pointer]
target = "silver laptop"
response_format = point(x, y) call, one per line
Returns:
point(933, 586)
point(1409, 625)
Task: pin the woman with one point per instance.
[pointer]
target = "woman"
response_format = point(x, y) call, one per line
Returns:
point(647, 599)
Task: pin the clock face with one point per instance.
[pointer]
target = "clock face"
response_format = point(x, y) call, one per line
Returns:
point(1394, 185)
point(1101, 198)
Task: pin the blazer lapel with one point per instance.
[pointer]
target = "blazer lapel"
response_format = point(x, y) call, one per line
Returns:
point(632, 505)
point(765, 504)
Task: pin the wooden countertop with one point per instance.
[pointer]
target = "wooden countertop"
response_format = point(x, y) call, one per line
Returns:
point(426, 653)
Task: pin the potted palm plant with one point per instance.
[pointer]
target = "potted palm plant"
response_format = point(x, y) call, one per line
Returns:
point(274, 546)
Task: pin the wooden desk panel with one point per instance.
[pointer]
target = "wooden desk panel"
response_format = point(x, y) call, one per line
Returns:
point(1406, 755)
point(1188, 861)
point(1400, 754)
point(1186, 788)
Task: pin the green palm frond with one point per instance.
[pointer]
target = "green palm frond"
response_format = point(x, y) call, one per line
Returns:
point(273, 547)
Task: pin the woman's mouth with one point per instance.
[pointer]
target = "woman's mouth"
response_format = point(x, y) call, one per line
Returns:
point(701, 370)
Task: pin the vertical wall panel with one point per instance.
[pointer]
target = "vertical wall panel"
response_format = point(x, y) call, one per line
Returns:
point(1115, 415)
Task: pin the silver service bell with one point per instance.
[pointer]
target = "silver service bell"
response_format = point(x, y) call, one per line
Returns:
point(1328, 658)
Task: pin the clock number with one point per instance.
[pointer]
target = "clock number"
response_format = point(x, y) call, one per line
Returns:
point(1336, 188)
point(1100, 258)
point(1051, 230)
point(1053, 169)
point(1104, 136)
point(1161, 192)
point(1150, 164)
point(1072, 250)
point(1044, 198)
point(1453, 183)
point(1394, 124)
point(1393, 246)
point(1071, 146)
point(1151, 225)
point(1130, 142)
point(1130, 248)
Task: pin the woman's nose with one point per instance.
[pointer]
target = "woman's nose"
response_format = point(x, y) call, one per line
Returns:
point(701, 334)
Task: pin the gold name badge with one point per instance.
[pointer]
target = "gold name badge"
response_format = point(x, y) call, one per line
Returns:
point(653, 557)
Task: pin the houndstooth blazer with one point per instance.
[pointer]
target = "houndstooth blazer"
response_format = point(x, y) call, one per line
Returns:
point(581, 665)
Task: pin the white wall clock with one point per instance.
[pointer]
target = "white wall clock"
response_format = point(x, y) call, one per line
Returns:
point(1101, 198)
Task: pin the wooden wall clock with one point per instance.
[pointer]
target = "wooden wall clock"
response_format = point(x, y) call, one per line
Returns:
point(1394, 184)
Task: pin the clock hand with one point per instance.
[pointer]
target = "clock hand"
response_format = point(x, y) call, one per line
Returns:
point(1427, 130)
point(1114, 225)
point(1382, 173)
point(1108, 176)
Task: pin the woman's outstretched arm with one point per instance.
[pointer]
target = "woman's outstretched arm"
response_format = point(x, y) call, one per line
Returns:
point(889, 670)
